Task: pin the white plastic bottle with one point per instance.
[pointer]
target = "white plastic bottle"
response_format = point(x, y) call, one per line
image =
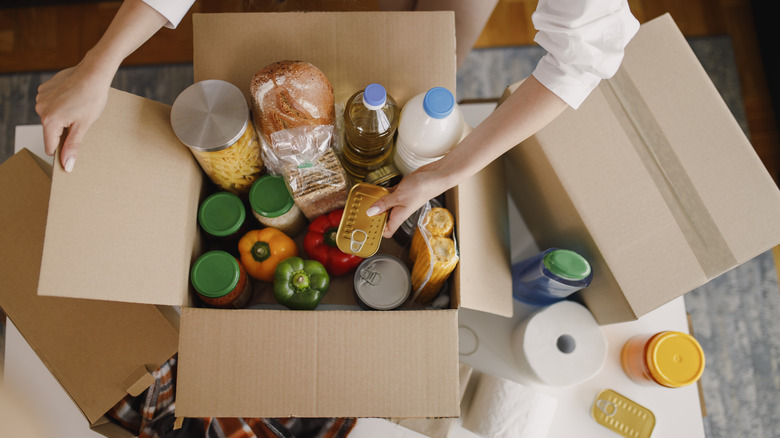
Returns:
point(431, 124)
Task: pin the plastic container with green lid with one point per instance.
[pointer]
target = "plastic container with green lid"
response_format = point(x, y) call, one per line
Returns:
point(273, 206)
point(669, 358)
point(220, 280)
point(550, 276)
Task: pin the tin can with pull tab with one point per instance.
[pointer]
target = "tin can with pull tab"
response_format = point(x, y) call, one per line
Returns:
point(358, 233)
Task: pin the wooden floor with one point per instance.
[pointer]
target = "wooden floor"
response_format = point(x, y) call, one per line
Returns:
point(51, 38)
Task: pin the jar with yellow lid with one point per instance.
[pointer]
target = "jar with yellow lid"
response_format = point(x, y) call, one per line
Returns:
point(212, 118)
point(669, 358)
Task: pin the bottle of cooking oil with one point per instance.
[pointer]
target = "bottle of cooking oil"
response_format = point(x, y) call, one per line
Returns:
point(370, 120)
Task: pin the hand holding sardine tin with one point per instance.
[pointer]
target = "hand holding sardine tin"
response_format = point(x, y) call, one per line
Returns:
point(358, 233)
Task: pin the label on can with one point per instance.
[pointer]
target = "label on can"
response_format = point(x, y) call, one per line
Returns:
point(358, 233)
point(621, 415)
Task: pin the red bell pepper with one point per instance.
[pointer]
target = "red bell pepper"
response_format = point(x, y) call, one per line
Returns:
point(320, 244)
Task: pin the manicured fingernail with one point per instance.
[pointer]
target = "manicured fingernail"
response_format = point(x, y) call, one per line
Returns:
point(372, 211)
point(69, 163)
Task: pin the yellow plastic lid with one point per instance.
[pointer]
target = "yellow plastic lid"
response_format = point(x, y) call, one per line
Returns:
point(675, 359)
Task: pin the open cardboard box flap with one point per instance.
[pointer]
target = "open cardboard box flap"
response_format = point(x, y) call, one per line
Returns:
point(122, 227)
point(97, 350)
point(651, 179)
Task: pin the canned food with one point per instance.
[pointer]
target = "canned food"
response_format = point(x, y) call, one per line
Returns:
point(382, 282)
point(670, 359)
point(221, 281)
point(273, 206)
point(358, 233)
point(622, 415)
point(212, 118)
point(387, 176)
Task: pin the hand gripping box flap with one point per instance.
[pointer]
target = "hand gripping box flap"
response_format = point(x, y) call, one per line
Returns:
point(71, 336)
point(651, 179)
point(122, 226)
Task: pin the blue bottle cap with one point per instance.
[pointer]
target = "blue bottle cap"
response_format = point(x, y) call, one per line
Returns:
point(438, 102)
point(374, 96)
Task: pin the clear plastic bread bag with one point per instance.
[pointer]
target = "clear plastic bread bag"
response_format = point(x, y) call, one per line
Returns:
point(306, 160)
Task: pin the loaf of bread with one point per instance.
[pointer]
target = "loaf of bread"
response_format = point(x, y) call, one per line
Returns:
point(288, 94)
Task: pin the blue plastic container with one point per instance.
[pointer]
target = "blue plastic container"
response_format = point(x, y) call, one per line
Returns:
point(550, 276)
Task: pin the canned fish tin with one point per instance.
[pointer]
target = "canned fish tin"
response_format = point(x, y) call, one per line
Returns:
point(212, 118)
point(622, 415)
point(382, 282)
point(671, 359)
point(358, 233)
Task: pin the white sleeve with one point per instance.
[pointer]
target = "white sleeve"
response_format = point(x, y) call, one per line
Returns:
point(173, 10)
point(585, 41)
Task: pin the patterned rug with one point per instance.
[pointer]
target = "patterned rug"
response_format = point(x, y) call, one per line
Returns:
point(736, 317)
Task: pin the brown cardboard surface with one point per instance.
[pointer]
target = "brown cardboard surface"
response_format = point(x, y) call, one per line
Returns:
point(483, 276)
point(353, 49)
point(124, 226)
point(91, 347)
point(318, 364)
point(651, 179)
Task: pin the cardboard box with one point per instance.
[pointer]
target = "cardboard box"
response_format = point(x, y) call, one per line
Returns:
point(99, 351)
point(122, 230)
point(651, 179)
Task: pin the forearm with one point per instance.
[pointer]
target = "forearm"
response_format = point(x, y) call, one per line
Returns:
point(134, 23)
point(526, 111)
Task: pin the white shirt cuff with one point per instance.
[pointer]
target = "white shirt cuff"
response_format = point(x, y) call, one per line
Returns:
point(173, 10)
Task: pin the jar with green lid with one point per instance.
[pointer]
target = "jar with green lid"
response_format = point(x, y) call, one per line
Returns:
point(669, 358)
point(222, 216)
point(220, 281)
point(550, 276)
point(273, 206)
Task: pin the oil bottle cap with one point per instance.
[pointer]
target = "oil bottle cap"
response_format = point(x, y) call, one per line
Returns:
point(221, 214)
point(438, 102)
point(674, 359)
point(567, 264)
point(269, 196)
point(215, 274)
point(374, 96)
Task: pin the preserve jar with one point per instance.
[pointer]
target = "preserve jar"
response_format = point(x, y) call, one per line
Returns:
point(668, 358)
point(222, 216)
point(212, 118)
point(273, 206)
point(220, 281)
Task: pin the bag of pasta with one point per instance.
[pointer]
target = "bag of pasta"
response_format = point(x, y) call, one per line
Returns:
point(317, 181)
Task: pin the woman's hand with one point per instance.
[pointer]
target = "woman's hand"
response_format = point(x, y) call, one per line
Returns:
point(69, 103)
point(409, 195)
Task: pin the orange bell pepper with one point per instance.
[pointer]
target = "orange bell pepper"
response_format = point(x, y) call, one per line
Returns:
point(261, 250)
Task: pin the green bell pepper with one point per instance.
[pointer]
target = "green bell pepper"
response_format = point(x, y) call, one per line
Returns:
point(300, 284)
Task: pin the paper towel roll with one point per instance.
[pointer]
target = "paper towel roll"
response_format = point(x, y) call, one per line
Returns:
point(501, 408)
point(560, 345)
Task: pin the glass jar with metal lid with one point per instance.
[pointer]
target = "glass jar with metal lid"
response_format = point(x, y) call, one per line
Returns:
point(222, 216)
point(273, 206)
point(669, 358)
point(212, 118)
point(221, 281)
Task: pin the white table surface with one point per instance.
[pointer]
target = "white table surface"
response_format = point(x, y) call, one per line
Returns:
point(678, 411)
